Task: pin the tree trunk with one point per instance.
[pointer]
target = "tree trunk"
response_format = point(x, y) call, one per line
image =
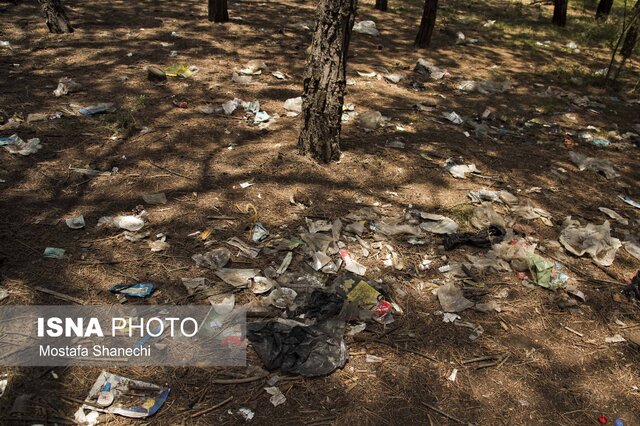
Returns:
point(604, 8)
point(631, 39)
point(381, 5)
point(55, 17)
point(423, 39)
point(560, 12)
point(325, 80)
point(218, 11)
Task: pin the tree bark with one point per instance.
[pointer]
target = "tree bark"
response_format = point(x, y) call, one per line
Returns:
point(631, 39)
point(55, 17)
point(428, 23)
point(560, 12)
point(604, 8)
point(218, 11)
point(381, 5)
point(325, 80)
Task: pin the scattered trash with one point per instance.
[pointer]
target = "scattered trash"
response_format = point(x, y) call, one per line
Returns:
point(260, 233)
point(393, 78)
point(130, 223)
point(371, 74)
point(279, 75)
point(630, 201)
point(485, 87)
point(370, 120)
point(160, 244)
point(453, 117)
point(482, 239)
point(613, 215)
point(293, 105)
point(372, 358)
point(159, 198)
point(351, 265)
point(76, 222)
point(66, 86)
point(615, 339)
point(241, 79)
point(277, 397)
point(53, 253)
point(632, 248)
point(599, 142)
point(253, 67)
point(594, 240)
point(426, 68)
point(366, 27)
point(179, 70)
point(451, 298)
point(15, 145)
point(493, 196)
point(114, 394)
point(460, 170)
point(438, 224)
point(297, 348)
point(632, 291)
point(238, 278)
point(33, 118)
point(596, 164)
point(133, 290)
point(246, 413)
point(98, 108)
point(156, 74)
point(4, 293)
point(452, 377)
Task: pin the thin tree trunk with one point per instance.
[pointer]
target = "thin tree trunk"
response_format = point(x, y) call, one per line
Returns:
point(381, 5)
point(631, 39)
point(325, 80)
point(560, 12)
point(604, 9)
point(55, 16)
point(218, 11)
point(428, 23)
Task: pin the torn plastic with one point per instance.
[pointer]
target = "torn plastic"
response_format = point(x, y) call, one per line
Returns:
point(15, 145)
point(238, 278)
point(485, 87)
point(528, 212)
point(484, 215)
point(438, 224)
point(214, 259)
point(65, 86)
point(452, 299)
point(130, 223)
point(159, 198)
point(253, 67)
point(493, 196)
point(460, 170)
point(370, 119)
point(293, 105)
point(596, 164)
point(613, 215)
point(366, 27)
point(594, 240)
point(296, 348)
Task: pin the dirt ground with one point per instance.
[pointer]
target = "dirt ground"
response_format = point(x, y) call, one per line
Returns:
point(548, 374)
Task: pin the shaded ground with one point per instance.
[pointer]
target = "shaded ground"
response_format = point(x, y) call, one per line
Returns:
point(552, 376)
